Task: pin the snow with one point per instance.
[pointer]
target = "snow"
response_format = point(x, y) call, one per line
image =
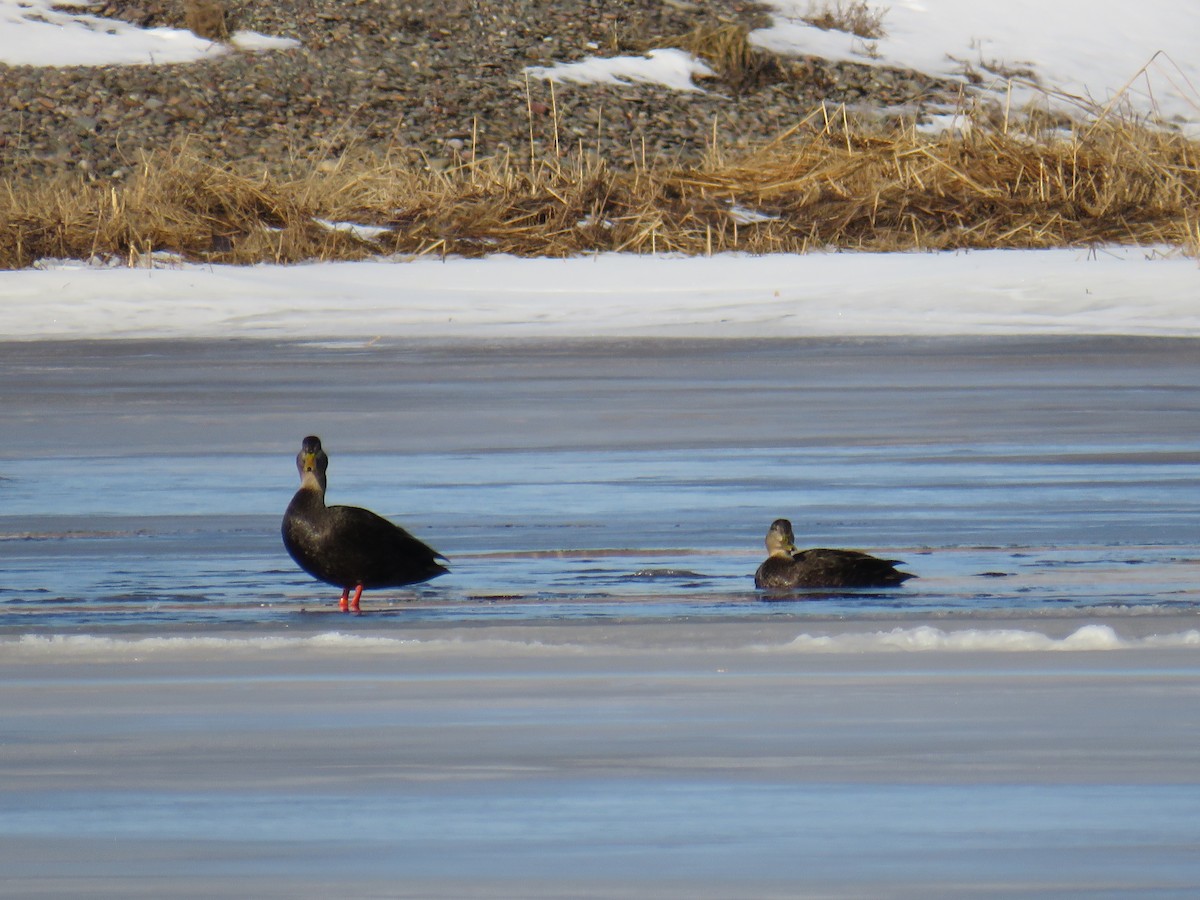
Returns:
point(53, 33)
point(671, 68)
point(1127, 291)
point(916, 639)
point(926, 638)
point(1081, 48)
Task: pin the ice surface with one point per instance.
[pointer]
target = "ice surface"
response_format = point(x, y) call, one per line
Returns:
point(493, 771)
point(921, 638)
point(596, 703)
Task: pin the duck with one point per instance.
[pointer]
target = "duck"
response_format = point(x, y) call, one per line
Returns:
point(787, 567)
point(346, 546)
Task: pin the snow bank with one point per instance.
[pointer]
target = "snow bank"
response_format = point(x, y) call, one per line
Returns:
point(998, 292)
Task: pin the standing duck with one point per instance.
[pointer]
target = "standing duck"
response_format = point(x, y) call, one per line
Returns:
point(346, 546)
point(787, 567)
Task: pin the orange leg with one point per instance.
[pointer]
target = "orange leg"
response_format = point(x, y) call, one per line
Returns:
point(357, 596)
point(344, 605)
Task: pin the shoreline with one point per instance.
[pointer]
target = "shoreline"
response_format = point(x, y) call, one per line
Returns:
point(438, 82)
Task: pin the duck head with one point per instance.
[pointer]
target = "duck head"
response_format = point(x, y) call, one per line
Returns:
point(312, 462)
point(780, 539)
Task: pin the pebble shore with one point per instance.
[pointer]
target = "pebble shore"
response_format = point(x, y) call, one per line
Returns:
point(438, 79)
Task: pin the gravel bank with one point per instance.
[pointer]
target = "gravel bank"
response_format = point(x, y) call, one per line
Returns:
point(434, 77)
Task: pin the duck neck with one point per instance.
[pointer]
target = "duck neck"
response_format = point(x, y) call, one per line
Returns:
point(777, 546)
point(313, 483)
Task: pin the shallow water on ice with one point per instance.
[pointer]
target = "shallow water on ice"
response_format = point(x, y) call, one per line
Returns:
point(597, 534)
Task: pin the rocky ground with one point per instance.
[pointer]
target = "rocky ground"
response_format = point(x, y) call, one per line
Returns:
point(437, 78)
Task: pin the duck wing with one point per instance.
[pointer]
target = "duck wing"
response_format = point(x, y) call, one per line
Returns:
point(821, 567)
point(365, 548)
point(348, 546)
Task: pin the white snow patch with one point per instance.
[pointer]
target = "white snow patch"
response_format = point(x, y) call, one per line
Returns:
point(918, 639)
point(363, 232)
point(670, 68)
point(926, 638)
point(1082, 49)
point(51, 33)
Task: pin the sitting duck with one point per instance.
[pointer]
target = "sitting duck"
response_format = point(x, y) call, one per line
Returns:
point(787, 567)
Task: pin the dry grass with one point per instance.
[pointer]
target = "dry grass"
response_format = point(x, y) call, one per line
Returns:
point(206, 19)
point(821, 186)
point(852, 16)
point(727, 49)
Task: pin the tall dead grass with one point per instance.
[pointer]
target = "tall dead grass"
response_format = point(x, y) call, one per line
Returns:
point(856, 17)
point(727, 49)
point(823, 185)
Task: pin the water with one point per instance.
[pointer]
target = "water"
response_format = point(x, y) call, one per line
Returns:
point(599, 479)
point(583, 534)
point(596, 702)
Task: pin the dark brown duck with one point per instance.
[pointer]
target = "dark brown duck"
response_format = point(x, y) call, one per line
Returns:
point(787, 567)
point(346, 546)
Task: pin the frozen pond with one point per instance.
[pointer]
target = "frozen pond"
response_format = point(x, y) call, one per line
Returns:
point(596, 702)
point(145, 481)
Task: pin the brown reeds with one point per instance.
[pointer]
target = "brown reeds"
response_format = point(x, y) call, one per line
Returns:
point(821, 186)
point(855, 17)
point(726, 48)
